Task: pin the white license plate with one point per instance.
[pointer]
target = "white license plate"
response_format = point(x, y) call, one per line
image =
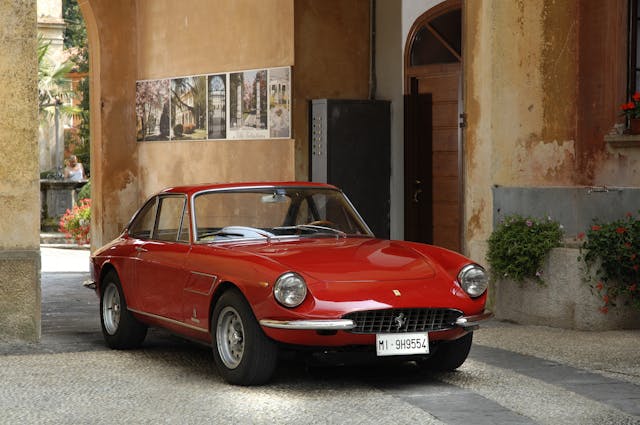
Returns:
point(402, 344)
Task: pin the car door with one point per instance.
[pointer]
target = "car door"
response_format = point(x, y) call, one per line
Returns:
point(160, 270)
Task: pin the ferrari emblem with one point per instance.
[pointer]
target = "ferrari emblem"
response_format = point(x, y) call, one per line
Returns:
point(396, 293)
point(399, 321)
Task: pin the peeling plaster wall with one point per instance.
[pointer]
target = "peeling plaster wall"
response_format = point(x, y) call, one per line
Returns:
point(521, 85)
point(114, 162)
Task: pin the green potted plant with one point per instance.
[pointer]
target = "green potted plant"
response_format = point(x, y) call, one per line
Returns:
point(519, 246)
point(612, 250)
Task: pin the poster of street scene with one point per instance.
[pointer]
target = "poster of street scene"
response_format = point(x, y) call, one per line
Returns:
point(152, 110)
point(217, 107)
point(279, 102)
point(189, 108)
point(248, 105)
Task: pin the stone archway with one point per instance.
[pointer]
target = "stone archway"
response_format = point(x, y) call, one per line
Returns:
point(19, 174)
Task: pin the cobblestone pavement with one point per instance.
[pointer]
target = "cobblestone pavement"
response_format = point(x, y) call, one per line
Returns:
point(514, 375)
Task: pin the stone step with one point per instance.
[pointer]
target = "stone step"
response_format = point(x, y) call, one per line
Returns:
point(54, 238)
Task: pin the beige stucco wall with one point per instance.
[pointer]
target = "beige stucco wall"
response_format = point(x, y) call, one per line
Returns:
point(19, 177)
point(520, 75)
point(190, 38)
point(331, 61)
point(150, 39)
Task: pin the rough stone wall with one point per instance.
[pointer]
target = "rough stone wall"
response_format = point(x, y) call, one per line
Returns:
point(19, 177)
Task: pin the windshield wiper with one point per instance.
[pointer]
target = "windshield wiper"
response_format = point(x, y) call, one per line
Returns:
point(314, 229)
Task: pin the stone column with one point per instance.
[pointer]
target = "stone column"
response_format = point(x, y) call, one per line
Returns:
point(19, 174)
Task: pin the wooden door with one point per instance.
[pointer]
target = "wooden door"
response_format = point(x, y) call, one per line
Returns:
point(433, 158)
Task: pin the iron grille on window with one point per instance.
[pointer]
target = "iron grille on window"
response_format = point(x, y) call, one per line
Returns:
point(403, 320)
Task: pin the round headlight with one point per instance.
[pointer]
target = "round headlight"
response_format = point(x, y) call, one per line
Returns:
point(473, 279)
point(290, 289)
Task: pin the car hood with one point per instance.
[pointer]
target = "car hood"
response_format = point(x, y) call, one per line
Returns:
point(347, 259)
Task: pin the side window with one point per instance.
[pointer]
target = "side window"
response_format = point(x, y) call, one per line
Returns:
point(170, 222)
point(143, 225)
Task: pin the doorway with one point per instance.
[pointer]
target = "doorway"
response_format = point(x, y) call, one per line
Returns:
point(432, 141)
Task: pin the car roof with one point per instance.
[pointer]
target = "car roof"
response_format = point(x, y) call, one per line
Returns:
point(191, 189)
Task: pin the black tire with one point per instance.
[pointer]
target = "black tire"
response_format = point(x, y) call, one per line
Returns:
point(120, 329)
point(243, 354)
point(450, 355)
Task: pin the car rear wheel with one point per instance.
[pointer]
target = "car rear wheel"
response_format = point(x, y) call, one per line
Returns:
point(120, 329)
point(243, 354)
point(450, 355)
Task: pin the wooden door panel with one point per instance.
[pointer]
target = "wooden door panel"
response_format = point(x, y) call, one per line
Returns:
point(445, 189)
point(445, 139)
point(445, 164)
point(443, 87)
point(445, 115)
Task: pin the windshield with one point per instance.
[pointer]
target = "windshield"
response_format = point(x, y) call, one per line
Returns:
point(275, 212)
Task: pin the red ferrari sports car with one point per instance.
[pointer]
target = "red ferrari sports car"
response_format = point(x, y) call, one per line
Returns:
point(253, 268)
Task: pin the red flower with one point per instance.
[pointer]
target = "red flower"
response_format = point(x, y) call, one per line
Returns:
point(605, 298)
point(627, 245)
point(630, 105)
point(633, 287)
point(599, 286)
point(604, 310)
point(620, 230)
point(629, 215)
point(636, 96)
point(595, 227)
point(580, 236)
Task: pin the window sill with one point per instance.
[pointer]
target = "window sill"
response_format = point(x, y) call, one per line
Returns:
point(623, 141)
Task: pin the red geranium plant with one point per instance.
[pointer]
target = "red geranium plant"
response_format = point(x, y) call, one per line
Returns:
point(75, 223)
point(613, 250)
point(632, 108)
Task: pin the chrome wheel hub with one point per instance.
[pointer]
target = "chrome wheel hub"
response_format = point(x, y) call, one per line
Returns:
point(230, 337)
point(111, 309)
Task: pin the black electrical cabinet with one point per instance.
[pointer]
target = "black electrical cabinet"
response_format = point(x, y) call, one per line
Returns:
point(351, 149)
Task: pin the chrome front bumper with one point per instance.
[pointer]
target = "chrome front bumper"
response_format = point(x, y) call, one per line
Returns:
point(469, 323)
point(310, 325)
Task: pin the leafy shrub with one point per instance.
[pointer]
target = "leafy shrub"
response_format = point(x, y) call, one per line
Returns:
point(75, 223)
point(613, 250)
point(177, 130)
point(85, 192)
point(518, 247)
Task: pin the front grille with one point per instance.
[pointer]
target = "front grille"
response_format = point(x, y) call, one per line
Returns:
point(400, 320)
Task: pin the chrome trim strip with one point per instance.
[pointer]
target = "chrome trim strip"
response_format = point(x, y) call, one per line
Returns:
point(164, 319)
point(205, 275)
point(213, 284)
point(474, 321)
point(314, 325)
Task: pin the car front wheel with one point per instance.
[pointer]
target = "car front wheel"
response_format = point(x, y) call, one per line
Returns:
point(243, 354)
point(450, 355)
point(120, 329)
